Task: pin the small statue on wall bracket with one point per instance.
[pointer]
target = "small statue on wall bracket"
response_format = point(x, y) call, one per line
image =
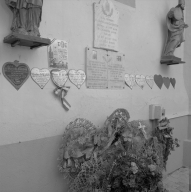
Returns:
point(176, 25)
point(25, 24)
point(26, 16)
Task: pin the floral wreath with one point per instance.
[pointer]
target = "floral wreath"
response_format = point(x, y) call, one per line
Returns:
point(121, 156)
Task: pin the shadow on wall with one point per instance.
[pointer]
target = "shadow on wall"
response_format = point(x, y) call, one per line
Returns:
point(130, 3)
point(5, 30)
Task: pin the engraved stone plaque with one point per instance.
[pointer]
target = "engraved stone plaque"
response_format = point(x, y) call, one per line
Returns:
point(106, 25)
point(116, 70)
point(40, 76)
point(104, 70)
point(16, 73)
point(96, 69)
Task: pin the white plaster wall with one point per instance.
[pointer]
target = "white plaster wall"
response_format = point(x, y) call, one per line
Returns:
point(32, 113)
point(187, 54)
point(187, 71)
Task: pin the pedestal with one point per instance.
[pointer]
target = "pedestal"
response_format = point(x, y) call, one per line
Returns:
point(171, 60)
point(26, 40)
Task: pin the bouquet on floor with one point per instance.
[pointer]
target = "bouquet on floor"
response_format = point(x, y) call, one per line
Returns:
point(122, 156)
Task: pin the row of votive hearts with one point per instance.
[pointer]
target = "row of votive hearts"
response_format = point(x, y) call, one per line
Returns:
point(159, 80)
point(131, 80)
point(59, 77)
point(17, 74)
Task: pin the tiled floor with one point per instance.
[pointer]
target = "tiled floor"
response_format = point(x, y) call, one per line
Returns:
point(178, 181)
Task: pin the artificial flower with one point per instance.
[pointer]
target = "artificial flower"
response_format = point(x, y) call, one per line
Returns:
point(134, 167)
point(152, 167)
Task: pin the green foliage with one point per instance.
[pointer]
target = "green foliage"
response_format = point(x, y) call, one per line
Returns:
point(164, 134)
point(119, 157)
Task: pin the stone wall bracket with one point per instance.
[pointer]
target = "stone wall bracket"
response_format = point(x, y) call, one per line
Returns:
point(26, 40)
point(171, 60)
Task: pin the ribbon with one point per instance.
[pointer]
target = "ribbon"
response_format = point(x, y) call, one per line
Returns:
point(62, 92)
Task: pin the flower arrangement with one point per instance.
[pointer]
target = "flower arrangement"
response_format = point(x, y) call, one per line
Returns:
point(164, 134)
point(119, 157)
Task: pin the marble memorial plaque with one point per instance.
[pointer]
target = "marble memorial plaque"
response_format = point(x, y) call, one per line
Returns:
point(105, 70)
point(59, 77)
point(96, 69)
point(106, 27)
point(40, 76)
point(16, 73)
point(77, 77)
point(116, 70)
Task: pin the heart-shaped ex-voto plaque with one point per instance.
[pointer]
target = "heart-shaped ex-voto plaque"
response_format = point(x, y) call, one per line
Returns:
point(140, 80)
point(150, 81)
point(158, 80)
point(59, 77)
point(77, 77)
point(16, 73)
point(130, 80)
point(40, 76)
point(166, 82)
point(173, 82)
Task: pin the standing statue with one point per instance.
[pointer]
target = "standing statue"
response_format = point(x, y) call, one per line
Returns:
point(175, 25)
point(26, 16)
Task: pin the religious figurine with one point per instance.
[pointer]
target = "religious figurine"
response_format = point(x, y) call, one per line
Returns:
point(26, 16)
point(175, 24)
